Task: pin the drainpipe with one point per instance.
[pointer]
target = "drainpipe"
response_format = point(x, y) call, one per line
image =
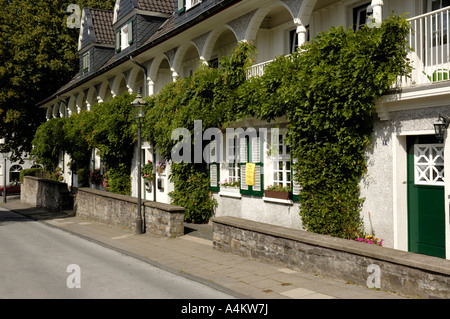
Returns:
point(144, 69)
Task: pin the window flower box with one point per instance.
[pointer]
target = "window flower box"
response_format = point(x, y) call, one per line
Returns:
point(231, 189)
point(277, 194)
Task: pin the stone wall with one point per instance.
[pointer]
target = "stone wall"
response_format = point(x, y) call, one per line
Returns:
point(163, 219)
point(46, 193)
point(121, 211)
point(398, 271)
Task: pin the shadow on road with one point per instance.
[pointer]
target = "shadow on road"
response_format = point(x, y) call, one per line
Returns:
point(13, 204)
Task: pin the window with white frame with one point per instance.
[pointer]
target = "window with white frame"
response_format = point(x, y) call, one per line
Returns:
point(124, 36)
point(439, 21)
point(360, 15)
point(86, 62)
point(191, 3)
point(293, 39)
point(232, 161)
point(281, 159)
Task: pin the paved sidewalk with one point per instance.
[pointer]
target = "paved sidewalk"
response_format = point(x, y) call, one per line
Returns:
point(193, 256)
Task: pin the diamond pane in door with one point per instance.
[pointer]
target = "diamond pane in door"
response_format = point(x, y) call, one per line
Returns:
point(429, 164)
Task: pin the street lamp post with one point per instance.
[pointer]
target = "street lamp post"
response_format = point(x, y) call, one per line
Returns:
point(138, 104)
point(3, 142)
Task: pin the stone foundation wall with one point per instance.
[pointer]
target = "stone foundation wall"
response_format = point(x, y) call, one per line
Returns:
point(398, 271)
point(46, 193)
point(163, 219)
point(121, 211)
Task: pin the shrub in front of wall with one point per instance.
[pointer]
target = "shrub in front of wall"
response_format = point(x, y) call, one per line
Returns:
point(37, 172)
point(191, 184)
point(327, 92)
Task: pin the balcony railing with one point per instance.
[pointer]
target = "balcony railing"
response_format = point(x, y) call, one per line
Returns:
point(429, 40)
point(257, 69)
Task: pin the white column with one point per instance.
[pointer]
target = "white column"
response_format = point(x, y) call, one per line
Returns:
point(151, 88)
point(175, 75)
point(377, 7)
point(301, 32)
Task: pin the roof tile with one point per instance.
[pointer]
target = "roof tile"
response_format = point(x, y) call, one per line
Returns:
point(162, 6)
point(102, 23)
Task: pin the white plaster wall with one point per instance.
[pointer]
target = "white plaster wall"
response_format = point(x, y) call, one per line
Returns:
point(162, 195)
point(383, 187)
point(25, 165)
point(256, 209)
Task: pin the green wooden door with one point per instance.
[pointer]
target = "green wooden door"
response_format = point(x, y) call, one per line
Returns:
point(426, 212)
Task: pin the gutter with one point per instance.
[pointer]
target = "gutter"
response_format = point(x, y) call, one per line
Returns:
point(209, 13)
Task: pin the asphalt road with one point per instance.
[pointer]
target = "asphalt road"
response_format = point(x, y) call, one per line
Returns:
point(41, 262)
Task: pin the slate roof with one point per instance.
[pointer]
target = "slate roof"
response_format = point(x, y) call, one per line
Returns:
point(165, 28)
point(162, 6)
point(102, 23)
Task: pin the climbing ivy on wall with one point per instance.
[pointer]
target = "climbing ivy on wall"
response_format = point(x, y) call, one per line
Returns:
point(209, 95)
point(47, 142)
point(326, 91)
point(108, 128)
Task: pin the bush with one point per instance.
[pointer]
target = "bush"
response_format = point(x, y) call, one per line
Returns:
point(118, 180)
point(83, 177)
point(37, 172)
point(191, 184)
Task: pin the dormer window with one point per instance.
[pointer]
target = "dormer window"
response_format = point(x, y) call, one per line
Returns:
point(86, 61)
point(187, 4)
point(124, 36)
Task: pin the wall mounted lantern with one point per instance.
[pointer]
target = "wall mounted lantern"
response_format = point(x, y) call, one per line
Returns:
point(440, 126)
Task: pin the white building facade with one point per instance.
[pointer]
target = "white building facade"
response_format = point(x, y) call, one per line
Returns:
point(171, 38)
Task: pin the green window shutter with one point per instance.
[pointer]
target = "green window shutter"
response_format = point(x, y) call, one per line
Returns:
point(243, 155)
point(256, 157)
point(250, 152)
point(214, 167)
point(214, 177)
point(181, 5)
point(118, 41)
point(296, 188)
point(86, 62)
point(130, 32)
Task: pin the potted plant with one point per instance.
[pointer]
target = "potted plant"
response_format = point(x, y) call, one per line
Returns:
point(278, 191)
point(370, 239)
point(95, 179)
point(232, 186)
point(161, 166)
point(147, 173)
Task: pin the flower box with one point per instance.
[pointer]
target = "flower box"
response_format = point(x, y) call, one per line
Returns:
point(278, 195)
point(231, 189)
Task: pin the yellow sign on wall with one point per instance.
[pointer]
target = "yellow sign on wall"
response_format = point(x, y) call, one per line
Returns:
point(250, 174)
